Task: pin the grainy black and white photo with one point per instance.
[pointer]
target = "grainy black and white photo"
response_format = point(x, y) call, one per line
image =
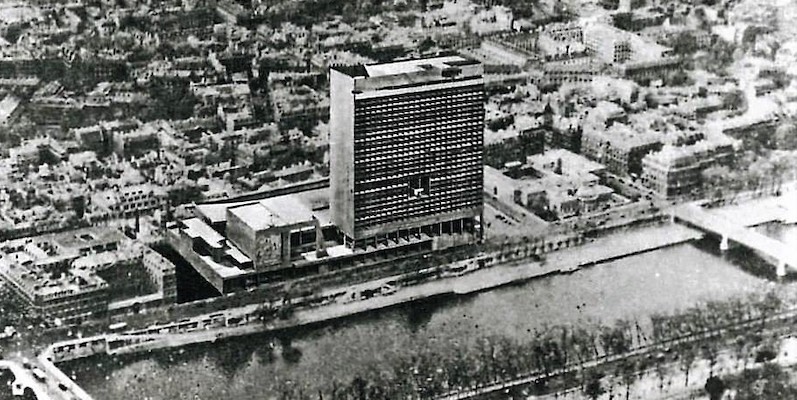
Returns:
point(398, 199)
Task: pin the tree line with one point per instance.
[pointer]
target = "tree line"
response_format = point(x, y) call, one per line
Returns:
point(428, 373)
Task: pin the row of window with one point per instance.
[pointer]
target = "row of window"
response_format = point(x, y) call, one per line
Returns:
point(431, 122)
point(439, 180)
point(389, 169)
point(421, 153)
point(381, 198)
point(404, 204)
point(393, 174)
point(412, 108)
point(454, 139)
point(399, 214)
point(410, 99)
point(136, 206)
point(476, 90)
point(438, 124)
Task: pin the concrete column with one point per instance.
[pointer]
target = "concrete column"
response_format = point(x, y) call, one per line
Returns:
point(780, 270)
point(724, 243)
point(320, 250)
point(285, 238)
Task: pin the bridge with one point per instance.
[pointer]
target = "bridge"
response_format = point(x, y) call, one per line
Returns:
point(778, 252)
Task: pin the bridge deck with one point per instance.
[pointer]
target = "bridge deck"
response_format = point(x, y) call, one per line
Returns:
point(705, 220)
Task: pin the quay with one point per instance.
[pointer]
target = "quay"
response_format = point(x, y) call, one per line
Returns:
point(245, 320)
point(507, 266)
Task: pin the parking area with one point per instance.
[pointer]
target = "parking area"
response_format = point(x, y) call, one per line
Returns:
point(499, 224)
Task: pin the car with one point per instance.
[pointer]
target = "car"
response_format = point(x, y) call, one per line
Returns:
point(62, 386)
point(39, 375)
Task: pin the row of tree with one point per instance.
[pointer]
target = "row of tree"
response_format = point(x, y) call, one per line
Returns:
point(713, 315)
point(759, 174)
point(427, 373)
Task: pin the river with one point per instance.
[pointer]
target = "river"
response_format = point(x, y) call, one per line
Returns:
point(635, 287)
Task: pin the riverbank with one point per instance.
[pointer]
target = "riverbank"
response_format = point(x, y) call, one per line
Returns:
point(335, 352)
point(595, 252)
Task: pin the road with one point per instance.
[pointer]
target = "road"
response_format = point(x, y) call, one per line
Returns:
point(24, 379)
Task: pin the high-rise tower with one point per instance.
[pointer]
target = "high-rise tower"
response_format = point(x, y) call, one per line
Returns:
point(406, 143)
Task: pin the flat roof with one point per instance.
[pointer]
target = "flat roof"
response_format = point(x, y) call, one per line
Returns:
point(256, 216)
point(412, 66)
point(237, 254)
point(288, 209)
point(572, 163)
point(86, 237)
point(217, 212)
point(222, 270)
point(36, 281)
point(195, 227)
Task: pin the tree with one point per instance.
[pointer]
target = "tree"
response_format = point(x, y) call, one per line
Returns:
point(627, 370)
point(786, 136)
point(359, 385)
point(678, 78)
point(28, 394)
point(715, 387)
point(740, 350)
point(735, 101)
point(594, 387)
point(710, 353)
point(688, 357)
point(79, 205)
point(768, 383)
point(426, 45)
point(685, 43)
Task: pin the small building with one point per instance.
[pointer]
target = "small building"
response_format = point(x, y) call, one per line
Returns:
point(162, 274)
point(52, 274)
point(135, 143)
point(620, 148)
point(676, 170)
point(126, 202)
point(554, 185)
point(240, 244)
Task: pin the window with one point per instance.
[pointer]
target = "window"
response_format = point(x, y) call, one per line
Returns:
point(419, 186)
